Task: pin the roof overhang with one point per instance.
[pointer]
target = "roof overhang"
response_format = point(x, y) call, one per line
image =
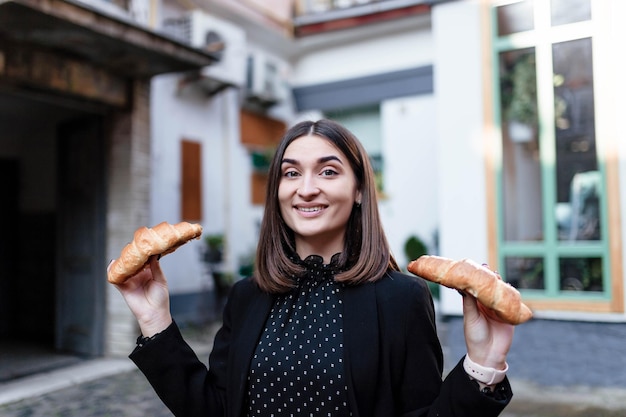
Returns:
point(112, 42)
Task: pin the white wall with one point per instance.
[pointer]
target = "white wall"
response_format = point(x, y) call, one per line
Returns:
point(459, 108)
point(410, 173)
point(367, 57)
point(176, 116)
point(214, 122)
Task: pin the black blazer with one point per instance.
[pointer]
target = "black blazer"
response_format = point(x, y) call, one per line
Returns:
point(392, 355)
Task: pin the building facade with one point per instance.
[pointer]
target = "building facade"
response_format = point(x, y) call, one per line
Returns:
point(168, 111)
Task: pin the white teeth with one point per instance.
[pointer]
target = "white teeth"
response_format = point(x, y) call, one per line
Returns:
point(309, 209)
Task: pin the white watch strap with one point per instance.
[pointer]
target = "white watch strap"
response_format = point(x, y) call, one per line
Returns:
point(488, 376)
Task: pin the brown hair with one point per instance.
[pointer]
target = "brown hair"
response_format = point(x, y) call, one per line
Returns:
point(366, 255)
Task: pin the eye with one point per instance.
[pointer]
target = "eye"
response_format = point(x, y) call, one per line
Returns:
point(291, 173)
point(328, 172)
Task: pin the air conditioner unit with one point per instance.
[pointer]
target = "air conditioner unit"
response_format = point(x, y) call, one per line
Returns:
point(226, 40)
point(265, 82)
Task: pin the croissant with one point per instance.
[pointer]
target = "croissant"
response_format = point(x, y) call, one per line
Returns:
point(484, 284)
point(162, 239)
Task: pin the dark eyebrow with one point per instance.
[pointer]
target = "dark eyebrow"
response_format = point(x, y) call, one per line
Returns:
point(322, 160)
point(329, 158)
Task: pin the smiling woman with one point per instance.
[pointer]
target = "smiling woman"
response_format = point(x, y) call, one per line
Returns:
point(317, 193)
point(327, 325)
point(321, 162)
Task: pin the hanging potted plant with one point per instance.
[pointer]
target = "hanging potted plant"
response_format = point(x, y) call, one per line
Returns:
point(261, 159)
point(520, 100)
point(214, 251)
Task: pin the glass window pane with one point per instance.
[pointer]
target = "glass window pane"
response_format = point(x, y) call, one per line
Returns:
point(524, 273)
point(581, 274)
point(578, 178)
point(521, 167)
point(515, 17)
point(570, 11)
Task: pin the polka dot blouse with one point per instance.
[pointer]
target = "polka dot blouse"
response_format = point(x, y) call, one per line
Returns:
point(297, 368)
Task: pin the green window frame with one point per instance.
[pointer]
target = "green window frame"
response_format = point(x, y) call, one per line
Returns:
point(541, 266)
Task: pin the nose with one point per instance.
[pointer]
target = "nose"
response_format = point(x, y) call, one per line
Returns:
point(308, 187)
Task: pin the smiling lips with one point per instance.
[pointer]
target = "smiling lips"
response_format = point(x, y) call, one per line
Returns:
point(310, 209)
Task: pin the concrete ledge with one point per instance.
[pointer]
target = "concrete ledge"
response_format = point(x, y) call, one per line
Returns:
point(51, 381)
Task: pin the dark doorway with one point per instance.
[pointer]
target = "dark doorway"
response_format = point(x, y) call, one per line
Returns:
point(80, 240)
point(9, 188)
point(51, 235)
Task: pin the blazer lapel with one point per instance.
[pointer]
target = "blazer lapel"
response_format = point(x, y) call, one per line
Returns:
point(361, 341)
point(243, 347)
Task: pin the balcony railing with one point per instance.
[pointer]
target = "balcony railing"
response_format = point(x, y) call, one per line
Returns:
point(314, 16)
point(351, 7)
point(320, 6)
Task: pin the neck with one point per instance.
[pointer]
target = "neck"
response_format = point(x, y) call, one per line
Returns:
point(325, 249)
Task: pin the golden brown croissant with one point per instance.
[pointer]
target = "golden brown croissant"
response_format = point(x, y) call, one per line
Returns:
point(484, 284)
point(162, 239)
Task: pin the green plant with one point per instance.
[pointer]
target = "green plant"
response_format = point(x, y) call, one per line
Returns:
point(519, 91)
point(214, 241)
point(214, 248)
point(414, 248)
point(262, 158)
point(246, 264)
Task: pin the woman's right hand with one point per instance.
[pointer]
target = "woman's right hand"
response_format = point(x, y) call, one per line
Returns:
point(147, 296)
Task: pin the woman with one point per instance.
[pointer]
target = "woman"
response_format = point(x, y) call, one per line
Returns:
point(328, 325)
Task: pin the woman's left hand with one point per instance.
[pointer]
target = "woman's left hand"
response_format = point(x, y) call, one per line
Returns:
point(488, 339)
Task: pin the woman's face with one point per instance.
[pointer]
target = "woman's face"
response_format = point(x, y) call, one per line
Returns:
point(316, 194)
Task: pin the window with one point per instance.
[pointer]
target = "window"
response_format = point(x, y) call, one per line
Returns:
point(552, 234)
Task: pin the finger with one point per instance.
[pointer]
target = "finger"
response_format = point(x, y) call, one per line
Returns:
point(474, 309)
point(155, 268)
point(488, 312)
point(470, 307)
point(120, 285)
point(136, 280)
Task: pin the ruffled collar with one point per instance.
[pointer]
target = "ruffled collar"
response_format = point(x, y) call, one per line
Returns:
point(315, 269)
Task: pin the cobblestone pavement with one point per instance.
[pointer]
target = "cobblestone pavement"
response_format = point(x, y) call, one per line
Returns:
point(559, 353)
point(557, 369)
point(560, 368)
point(123, 395)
